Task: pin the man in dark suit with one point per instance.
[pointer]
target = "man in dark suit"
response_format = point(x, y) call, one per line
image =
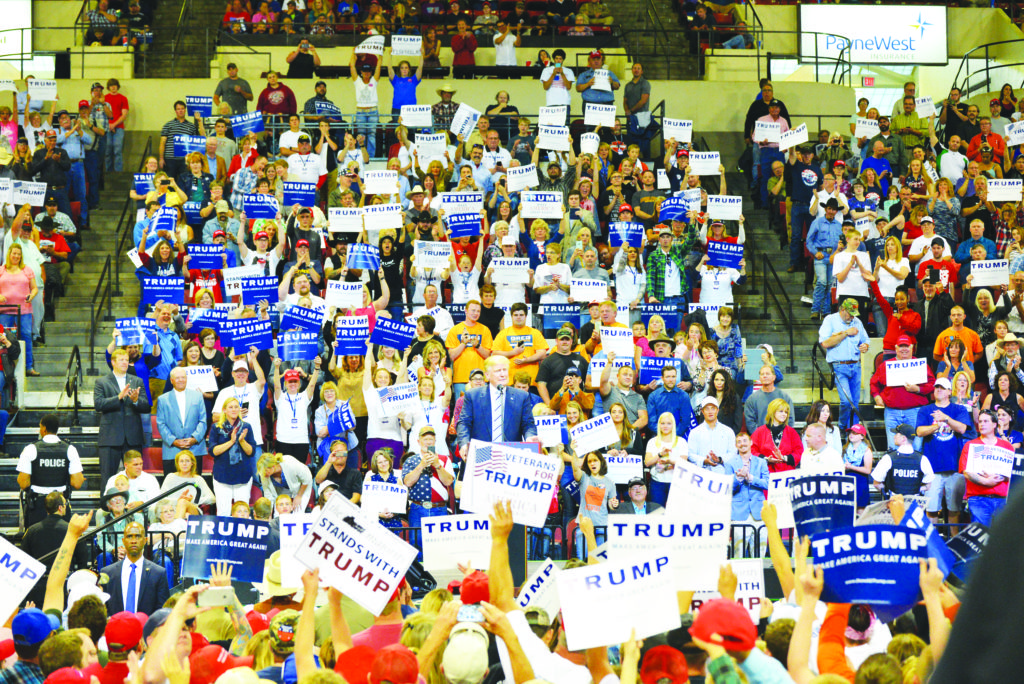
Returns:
point(934, 311)
point(134, 583)
point(638, 503)
point(46, 536)
point(120, 400)
point(496, 412)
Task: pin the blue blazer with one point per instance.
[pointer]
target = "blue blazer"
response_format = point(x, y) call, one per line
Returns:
point(475, 419)
point(748, 497)
point(173, 425)
point(153, 589)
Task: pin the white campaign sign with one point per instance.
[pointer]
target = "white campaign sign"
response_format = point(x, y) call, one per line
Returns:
point(430, 145)
point(545, 205)
point(623, 468)
point(40, 91)
point(866, 128)
point(433, 254)
point(598, 363)
point(462, 202)
point(549, 430)
point(417, 116)
point(343, 295)
point(553, 138)
point(699, 494)
point(767, 131)
point(294, 528)
point(602, 80)
point(381, 216)
point(1015, 133)
point(594, 434)
point(449, 540)
point(406, 46)
point(779, 495)
point(20, 572)
point(991, 460)
point(201, 379)
point(793, 137)
point(680, 129)
point(234, 276)
point(522, 177)
point(464, 121)
point(133, 255)
point(551, 116)
point(584, 290)
point(705, 163)
point(355, 554)
point(523, 477)
point(598, 115)
point(374, 45)
point(1005, 189)
point(695, 549)
point(750, 589)
point(725, 207)
point(589, 142)
point(603, 604)
point(380, 182)
point(510, 270)
point(710, 311)
point(384, 497)
point(396, 399)
point(345, 219)
point(26, 192)
point(924, 107)
point(541, 590)
point(663, 182)
point(908, 372)
point(617, 340)
point(992, 272)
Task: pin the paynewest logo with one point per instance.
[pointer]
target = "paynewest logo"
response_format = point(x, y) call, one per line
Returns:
point(891, 42)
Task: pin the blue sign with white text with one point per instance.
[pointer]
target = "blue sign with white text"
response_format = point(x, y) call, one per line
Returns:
point(260, 206)
point(621, 232)
point(557, 314)
point(823, 502)
point(724, 254)
point(298, 345)
point(255, 290)
point(671, 314)
point(170, 290)
point(301, 318)
point(303, 194)
point(464, 225)
point(143, 183)
point(192, 215)
point(135, 331)
point(650, 368)
point(243, 333)
point(966, 547)
point(351, 334)
point(239, 542)
point(205, 256)
point(363, 256)
point(244, 124)
point(391, 333)
point(673, 209)
point(207, 318)
point(916, 519)
point(185, 145)
point(199, 104)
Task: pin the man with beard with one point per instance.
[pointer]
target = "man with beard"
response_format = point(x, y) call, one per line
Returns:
point(893, 149)
point(555, 180)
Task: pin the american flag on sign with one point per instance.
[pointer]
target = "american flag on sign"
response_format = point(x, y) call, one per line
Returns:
point(482, 459)
point(387, 393)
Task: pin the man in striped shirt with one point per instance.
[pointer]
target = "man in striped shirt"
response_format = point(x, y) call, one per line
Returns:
point(179, 125)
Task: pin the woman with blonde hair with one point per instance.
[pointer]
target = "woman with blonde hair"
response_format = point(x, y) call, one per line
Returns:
point(944, 208)
point(321, 418)
point(231, 446)
point(539, 238)
point(383, 430)
point(195, 182)
point(664, 450)
point(185, 471)
point(17, 289)
point(282, 474)
point(431, 363)
point(775, 441)
point(434, 413)
point(689, 348)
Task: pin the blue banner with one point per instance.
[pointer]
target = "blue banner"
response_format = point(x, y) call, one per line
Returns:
point(192, 215)
point(185, 145)
point(916, 519)
point(165, 218)
point(673, 209)
point(143, 183)
point(340, 420)
point(1016, 471)
point(823, 502)
point(168, 290)
point(464, 225)
point(260, 206)
point(298, 345)
point(363, 256)
point(135, 331)
point(303, 194)
point(239, 542)
point(724, 254)
point(630, 233)
point(350, 335)
point(207, 318)
point(392, 333)
point(255, 290)
point(205, 256)
point(873, 564)
point(671, 314)
point(244, 124)
point(302, 318)
point(326, 108)
point(557, 314)
point(966, 547)
point(456, 311)
point(199, 104)
point(243, 333)
point(650, 368)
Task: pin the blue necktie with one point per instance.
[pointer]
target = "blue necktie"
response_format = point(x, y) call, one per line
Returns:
point(129, 599)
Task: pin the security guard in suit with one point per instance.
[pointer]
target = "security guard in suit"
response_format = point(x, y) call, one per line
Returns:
point(45, 466)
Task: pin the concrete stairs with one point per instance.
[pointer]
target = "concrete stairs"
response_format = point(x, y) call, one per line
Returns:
point(197, 40)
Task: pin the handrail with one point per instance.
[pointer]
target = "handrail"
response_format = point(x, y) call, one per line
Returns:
point(826, 380)
point(104, 294)
point(843, 66)
point(72, 380)
point(124, 225)
point(785, 313)
point(96, 530)
point(179, 31)
point(964, 85)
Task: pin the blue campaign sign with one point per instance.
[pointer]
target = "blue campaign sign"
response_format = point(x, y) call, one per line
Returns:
point(464, 225)
point(192, 215)
point(672, 315)
point(165, 218)
point(326, 108)
point(303, 194)
point(630, 233)
point(207, 318)
point(340, 420)
point(199, 104)
point(260, 206)
point(557, 314)
point(966, 547)
point(823, 502)
point(673, 209)
point(1016, 472)
point(244, 124)
point(205, 256)
point(301, 318)
point(243, 333)
point(351, 334)
point(298, 345)
point(872, 564)
point(363, 256)
point(239, 542)
point(650, 368)
point(456, 311)
point(255, 290)
point(185, 145)
point(916, 519)
point(170, 290)
point(135, 331)
point(143, 182)
point(392, 333)
point(724, 254)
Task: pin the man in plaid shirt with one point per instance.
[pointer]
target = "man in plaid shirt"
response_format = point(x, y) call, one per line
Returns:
point(245, 181)
point(666, 270)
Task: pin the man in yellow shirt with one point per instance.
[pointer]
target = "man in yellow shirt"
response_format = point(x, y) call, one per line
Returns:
point(607, 312)
point(524, 346)
point(469, 343)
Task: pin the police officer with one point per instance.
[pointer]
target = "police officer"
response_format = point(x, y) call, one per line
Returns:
point(48, 465)
point(903, 470)
point(47, 535)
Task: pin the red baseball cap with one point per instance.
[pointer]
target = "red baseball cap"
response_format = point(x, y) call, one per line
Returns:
point(904, 340)
point(67, 675)
point(302, 243)
point(123, 632)
point(395, 664)
point(211, 662)
point(664, 662)
point(625, 207)
point(219, 233)
point(355, 663)
point(292, 374)
point(83, 103)
point(729, 621)
point(475, 588)
point(257, 621)
point(262, 235)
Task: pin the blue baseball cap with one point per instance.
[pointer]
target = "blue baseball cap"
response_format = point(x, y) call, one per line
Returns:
point(157, 619)
point(32, 626)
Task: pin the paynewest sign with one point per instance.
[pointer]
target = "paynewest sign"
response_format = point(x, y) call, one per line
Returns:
point(874, 34)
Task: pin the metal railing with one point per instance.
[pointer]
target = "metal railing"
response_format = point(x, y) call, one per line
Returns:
point(126, 223)
point(100, 296)
point(840, 66)
point(72, 381)
point(784, 307)
point(972, 81)
point(820, 376)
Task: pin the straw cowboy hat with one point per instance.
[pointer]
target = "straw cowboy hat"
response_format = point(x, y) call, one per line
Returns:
point(1010, 337)
point(272, 577)
point(446, 88)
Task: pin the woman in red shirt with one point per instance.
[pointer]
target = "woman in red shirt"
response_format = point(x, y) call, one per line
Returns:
point(776, 441)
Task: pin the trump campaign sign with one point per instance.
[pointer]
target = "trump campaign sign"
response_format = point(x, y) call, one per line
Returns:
point(240, 543)
point(20, 573)
point(501, 472)
point(695, 549)
point(823, 502)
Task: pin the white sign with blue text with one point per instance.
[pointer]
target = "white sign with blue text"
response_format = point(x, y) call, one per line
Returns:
point(20, 573)
point(899, 372)
point(451, 540)
point(695, 549)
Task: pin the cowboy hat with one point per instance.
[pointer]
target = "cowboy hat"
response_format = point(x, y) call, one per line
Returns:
point(446, 88)
point(272, 577)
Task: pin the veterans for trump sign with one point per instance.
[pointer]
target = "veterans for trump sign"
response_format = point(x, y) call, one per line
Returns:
point(501, 472)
